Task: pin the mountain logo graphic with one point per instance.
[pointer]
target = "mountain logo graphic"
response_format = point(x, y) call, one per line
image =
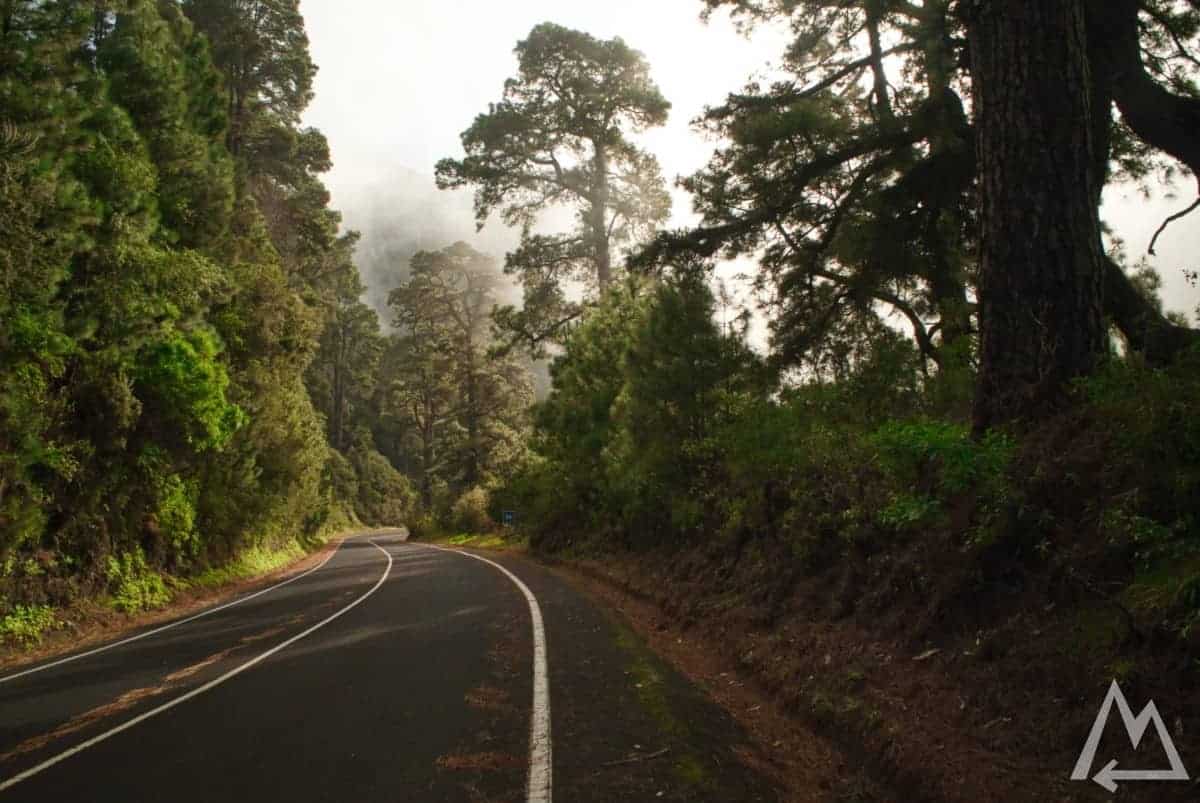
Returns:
point(1136, 728)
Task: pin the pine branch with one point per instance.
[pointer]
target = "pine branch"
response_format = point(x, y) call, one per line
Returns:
point(1169, 221)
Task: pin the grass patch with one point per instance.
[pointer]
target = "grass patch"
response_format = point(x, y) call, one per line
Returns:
point(481, 541)
point(253, 562)
point(690, 771)
point(648, 684)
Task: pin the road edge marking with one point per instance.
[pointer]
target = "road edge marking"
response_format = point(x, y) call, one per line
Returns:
point(541, 764)
point(95, 740)
point(155, 631)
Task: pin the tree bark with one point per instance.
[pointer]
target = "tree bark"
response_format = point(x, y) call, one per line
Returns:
point(338, 408)
point(1040, 263)
point(427, 456)
point(599, 218)
point(472, 471)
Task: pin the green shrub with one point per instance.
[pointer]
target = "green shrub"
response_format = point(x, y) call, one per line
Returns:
point(26, 624)
point(470, 512)
point(1149, 420)
point(918, 451)
point(133, 585)
point(906, 511)
point(423, 526)
point(550, 507)
point(385, 496)
point(183, 378)
point(176, 515)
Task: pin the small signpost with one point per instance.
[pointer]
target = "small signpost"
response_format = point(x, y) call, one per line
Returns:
point(509, 517)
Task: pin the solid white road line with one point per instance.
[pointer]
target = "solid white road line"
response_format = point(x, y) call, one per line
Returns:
point(166, 627)
point(95, 740)
point(540, 759)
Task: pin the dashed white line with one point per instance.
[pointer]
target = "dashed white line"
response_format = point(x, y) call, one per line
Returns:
point(95, 740)
point(157, 630)
point(541, 770)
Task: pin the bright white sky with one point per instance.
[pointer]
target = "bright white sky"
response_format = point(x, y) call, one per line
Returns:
point(400, 79)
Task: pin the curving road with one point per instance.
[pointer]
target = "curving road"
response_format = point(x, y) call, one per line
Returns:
point(392, 672)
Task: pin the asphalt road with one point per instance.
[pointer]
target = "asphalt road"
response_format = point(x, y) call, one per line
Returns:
point(393, 672)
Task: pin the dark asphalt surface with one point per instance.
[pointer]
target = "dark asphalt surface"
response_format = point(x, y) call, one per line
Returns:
point(420, 692)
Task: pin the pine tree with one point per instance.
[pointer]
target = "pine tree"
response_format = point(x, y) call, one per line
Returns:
point(559, 137)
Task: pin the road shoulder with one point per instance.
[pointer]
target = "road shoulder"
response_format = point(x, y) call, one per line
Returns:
point(626, 723)
point(90, 623)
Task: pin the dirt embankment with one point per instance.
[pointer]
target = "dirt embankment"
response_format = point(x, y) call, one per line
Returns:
point(921, 678)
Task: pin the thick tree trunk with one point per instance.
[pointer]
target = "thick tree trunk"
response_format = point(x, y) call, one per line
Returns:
point(599, 219)
point(471, 472)
point(339, 400)
point(1040, 262)
point(427, 456)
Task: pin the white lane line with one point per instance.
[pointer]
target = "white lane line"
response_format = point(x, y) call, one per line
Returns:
point(166, 627)
point(95, 740)
point(540, 748)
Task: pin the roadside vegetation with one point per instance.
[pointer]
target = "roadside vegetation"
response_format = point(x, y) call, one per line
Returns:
point(959, 473)
point(192, 389)
point(988, 510)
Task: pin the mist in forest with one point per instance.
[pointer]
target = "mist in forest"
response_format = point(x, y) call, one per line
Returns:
point(401, 212)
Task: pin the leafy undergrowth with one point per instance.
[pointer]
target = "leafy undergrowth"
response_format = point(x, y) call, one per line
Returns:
point(26, 624)
point(950, 610)
point(135, 587)
point(129, 592)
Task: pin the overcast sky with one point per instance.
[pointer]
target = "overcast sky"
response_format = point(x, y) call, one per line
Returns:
point(400, 79)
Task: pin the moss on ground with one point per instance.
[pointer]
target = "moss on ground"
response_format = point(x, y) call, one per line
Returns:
point(644, 669)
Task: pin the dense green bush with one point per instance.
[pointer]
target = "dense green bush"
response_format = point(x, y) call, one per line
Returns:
point(385, 496)
point(928, 462)
point(1149, 490)
point(133, 585)
point(175, 516)
point(24, 625)
point(423, 525)
point(681, 434)
point(182, 373)
point(470, 512)
point(535, 492)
